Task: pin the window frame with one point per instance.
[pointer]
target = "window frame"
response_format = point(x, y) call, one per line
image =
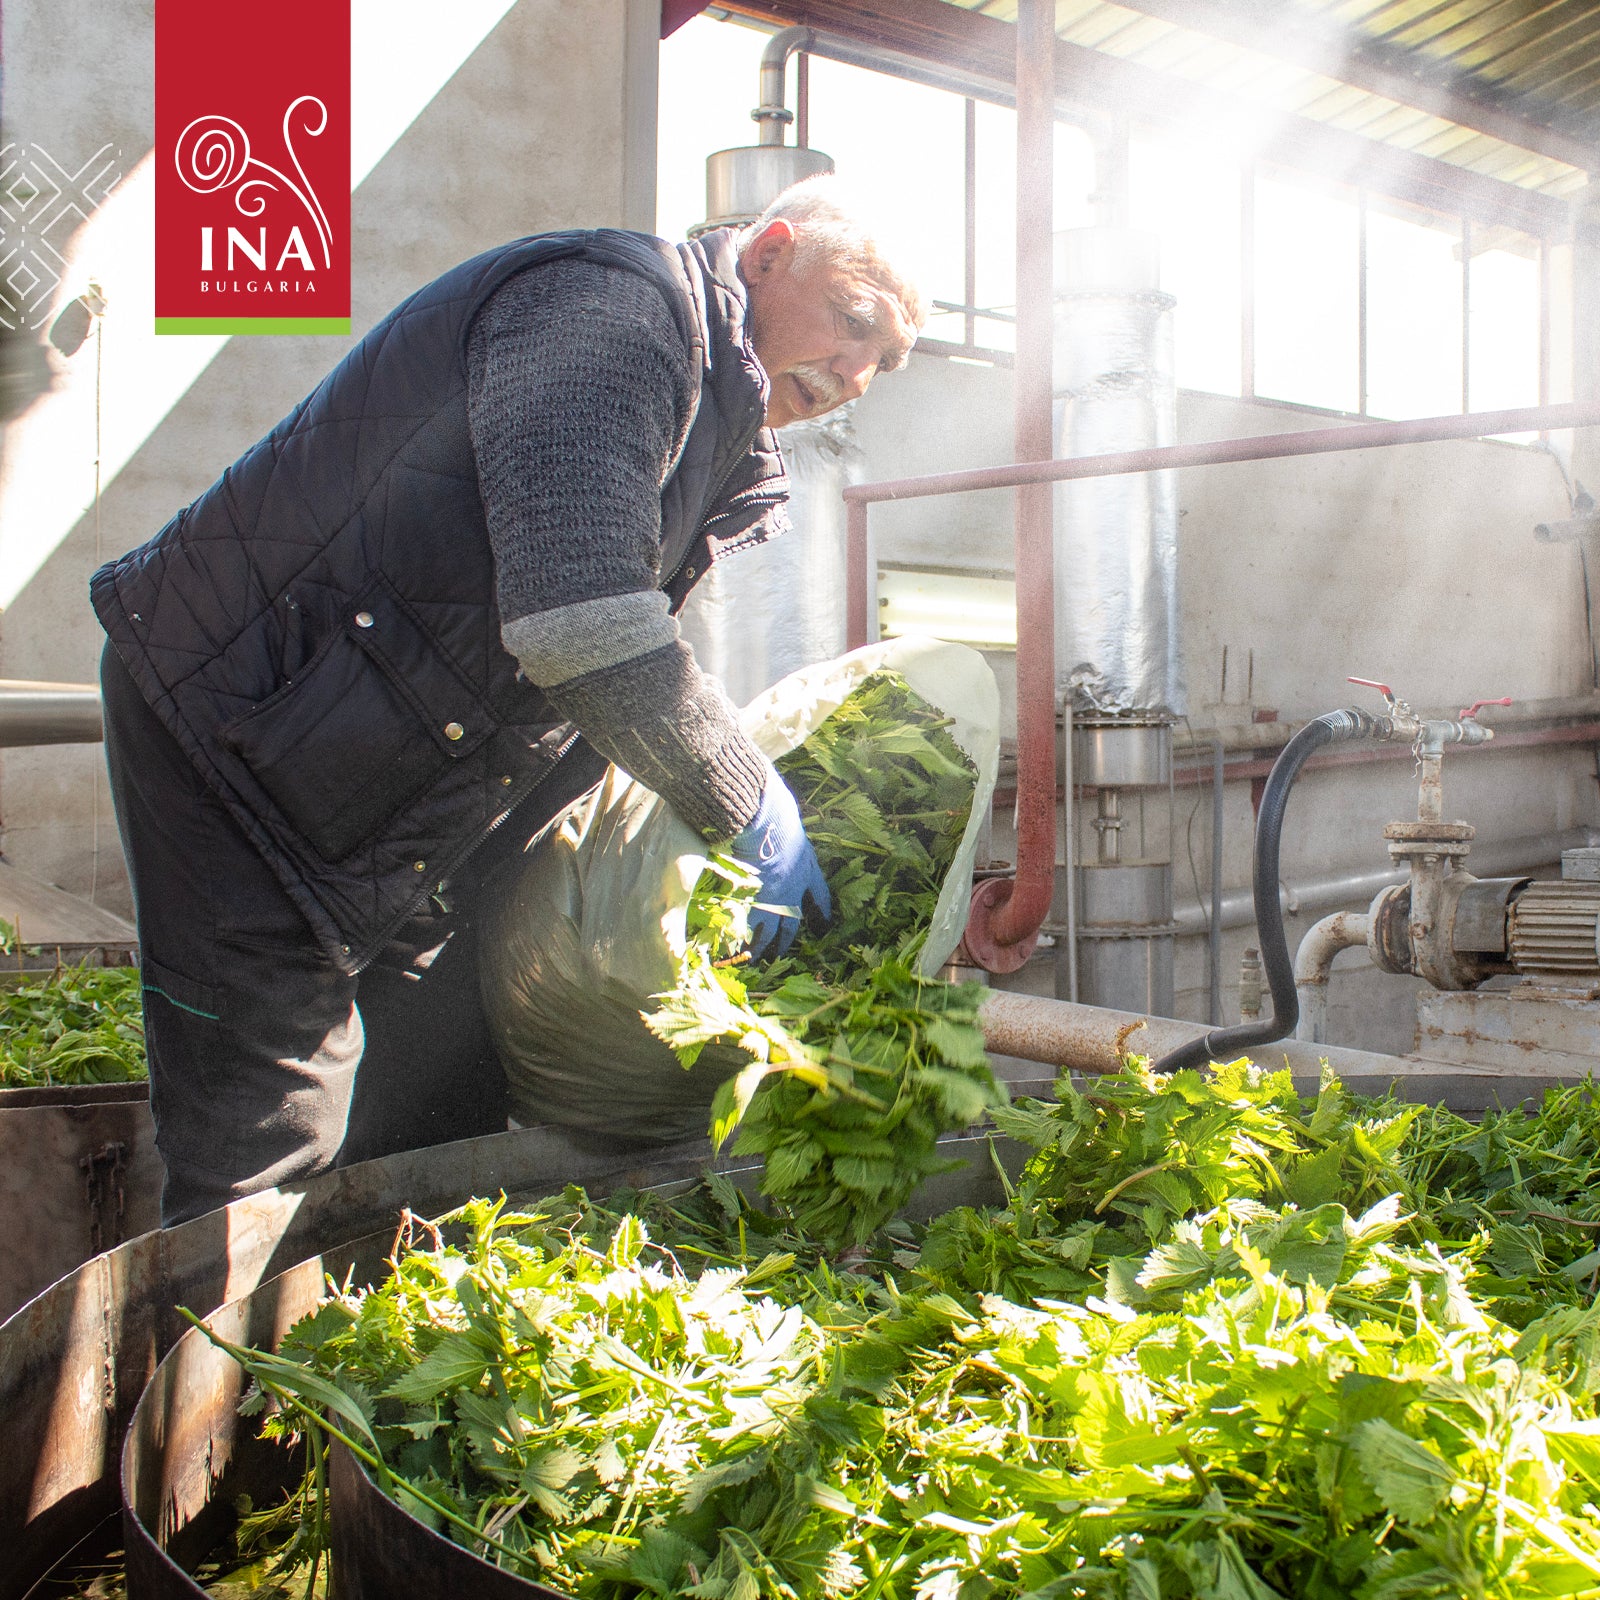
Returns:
point(968, 348)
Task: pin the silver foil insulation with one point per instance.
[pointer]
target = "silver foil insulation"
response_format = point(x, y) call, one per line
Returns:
point(1116, 538)
point(761, 614)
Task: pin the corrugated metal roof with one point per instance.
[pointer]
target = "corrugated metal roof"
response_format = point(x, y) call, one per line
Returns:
point(1508, 89)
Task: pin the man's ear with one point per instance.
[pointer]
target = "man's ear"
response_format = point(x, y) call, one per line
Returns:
point(772, 248)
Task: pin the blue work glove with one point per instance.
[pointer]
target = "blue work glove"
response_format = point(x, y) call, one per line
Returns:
point(774, 843)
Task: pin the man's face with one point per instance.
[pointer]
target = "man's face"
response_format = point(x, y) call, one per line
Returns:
point(822, 332)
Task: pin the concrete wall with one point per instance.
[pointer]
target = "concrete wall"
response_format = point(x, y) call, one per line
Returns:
point(549, 122)
point(1416, 565)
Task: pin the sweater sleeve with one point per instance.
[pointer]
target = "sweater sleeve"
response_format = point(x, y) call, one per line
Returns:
point(578, 400)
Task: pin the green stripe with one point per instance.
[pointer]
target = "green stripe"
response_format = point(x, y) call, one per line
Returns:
point(253, 325)
point(194, 1011)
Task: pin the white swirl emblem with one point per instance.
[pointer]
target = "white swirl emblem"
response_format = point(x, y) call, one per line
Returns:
point(213, 155)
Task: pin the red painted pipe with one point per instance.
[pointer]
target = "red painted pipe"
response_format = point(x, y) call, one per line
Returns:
point(1003, 926)
point(1253, 447)
point(856, 585)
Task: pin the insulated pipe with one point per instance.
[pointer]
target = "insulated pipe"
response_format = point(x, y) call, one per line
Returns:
point(1335, 726)
point(1091, 1039)
point(1313, 963)
point(1006, 913)
point(771, 115)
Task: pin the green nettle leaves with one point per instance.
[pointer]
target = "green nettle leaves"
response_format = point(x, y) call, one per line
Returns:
point(1153, 1374)
point(73, 1025)
point(857, 1064)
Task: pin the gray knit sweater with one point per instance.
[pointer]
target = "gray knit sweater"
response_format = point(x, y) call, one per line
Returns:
point(579, 395)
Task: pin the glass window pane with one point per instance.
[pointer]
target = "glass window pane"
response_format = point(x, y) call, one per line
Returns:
point(1074, 176)
point(1190, 198)
point(1306, 286)
point(996, 189)
point(902, 149)
point(1413, 314)
point(995, 137)
point(1503, 358)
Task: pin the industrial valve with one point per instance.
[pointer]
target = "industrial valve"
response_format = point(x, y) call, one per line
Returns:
point(1443, 924)
point(1409, 928)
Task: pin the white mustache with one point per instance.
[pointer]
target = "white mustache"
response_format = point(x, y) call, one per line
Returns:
point(825, 388)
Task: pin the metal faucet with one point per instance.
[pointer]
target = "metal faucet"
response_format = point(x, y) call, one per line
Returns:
point(1407, 928)
point(1433, 848)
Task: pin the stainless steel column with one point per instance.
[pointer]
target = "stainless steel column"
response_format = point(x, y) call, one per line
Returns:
point(761, 614)
point(1125, 925)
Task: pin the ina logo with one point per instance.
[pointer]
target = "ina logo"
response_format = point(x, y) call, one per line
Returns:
point(214, 157)
point(252, 169)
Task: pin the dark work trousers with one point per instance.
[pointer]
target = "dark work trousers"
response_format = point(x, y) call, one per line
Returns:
point(267, 1063)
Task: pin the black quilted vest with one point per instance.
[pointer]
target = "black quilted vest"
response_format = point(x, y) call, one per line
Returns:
point(319, 628)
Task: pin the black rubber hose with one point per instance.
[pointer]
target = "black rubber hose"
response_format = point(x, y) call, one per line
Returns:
point(1224, 1044)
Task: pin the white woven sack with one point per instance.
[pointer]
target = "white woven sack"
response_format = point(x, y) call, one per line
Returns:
point(593, 923)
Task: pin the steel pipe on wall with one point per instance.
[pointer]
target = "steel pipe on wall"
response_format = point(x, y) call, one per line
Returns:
point(1494, 859)
point(48, 713)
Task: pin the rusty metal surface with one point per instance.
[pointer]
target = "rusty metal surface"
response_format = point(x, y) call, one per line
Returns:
point(188, 1452)
point(74, 1360)
point(1092, 1039)
point(1523, 1029)
point(75, 1094)
point(79, 1174)
point(1010, 915)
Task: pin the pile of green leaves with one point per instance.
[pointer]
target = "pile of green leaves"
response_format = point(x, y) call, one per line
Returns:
point(857, 1063)
point(1243, 1395)
point(1119, 1165)
point(1138, 1379)
point(72, 1025)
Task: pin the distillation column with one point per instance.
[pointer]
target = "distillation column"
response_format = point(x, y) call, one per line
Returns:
point(1117, 658)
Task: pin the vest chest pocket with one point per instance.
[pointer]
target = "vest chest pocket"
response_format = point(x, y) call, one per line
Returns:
point(379, 714)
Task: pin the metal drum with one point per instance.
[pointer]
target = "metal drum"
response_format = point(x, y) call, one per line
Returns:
point(75, 1359)
point(188, 1453)
point(79, 1174)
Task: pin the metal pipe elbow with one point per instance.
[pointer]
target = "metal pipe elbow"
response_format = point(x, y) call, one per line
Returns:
point(1313, 964)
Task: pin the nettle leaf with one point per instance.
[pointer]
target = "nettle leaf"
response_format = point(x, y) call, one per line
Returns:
point(960, 1043)
point(721, 1475)
point(1408, 1475)
point(658, 1561)
point(458, 1360)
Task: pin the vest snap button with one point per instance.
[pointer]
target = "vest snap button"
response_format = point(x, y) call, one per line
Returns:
point(419, 866)
point(363, 619)
point(453, 730)
point(506, 780)
point(689, 572)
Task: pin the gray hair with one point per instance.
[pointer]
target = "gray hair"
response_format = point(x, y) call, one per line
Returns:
point(828, 228)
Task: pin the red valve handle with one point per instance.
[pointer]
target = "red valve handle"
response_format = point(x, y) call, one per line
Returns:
point(1478, 705)
point(1372, 683)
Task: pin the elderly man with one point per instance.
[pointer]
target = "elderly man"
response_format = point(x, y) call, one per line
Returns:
point(413, 623)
